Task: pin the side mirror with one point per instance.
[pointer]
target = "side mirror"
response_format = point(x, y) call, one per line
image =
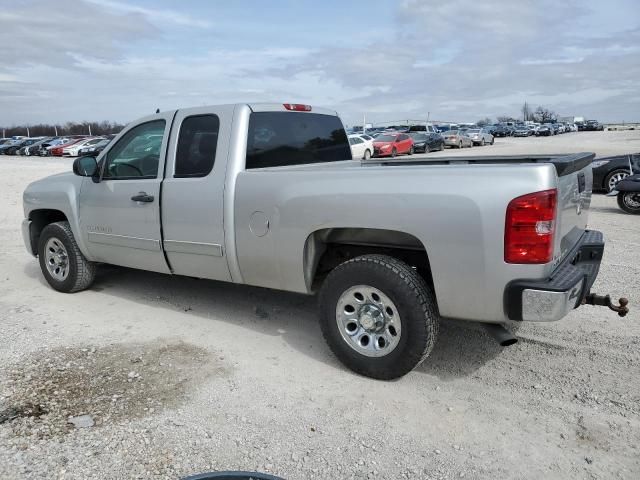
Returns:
point(85, 166)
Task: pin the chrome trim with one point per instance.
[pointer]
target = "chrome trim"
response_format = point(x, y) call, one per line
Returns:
point(124, 241)
point(195, 248)
point(547, 306)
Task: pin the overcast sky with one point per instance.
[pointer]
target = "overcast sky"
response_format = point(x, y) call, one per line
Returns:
point(454, 60)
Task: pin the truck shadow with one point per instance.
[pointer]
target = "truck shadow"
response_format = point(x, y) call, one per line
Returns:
point(461, 349)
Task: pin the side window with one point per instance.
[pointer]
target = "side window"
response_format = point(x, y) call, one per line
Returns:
point(352, 141)
point(137, 153)
point(357, 141)
point(197, 145)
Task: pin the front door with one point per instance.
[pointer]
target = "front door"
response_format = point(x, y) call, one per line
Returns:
point(120, 215)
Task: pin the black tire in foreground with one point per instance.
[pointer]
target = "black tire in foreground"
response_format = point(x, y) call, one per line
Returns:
point(61, 261)
point(378, 316)
point(629, 202)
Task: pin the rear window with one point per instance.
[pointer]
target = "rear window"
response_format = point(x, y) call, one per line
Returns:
point(295, 138)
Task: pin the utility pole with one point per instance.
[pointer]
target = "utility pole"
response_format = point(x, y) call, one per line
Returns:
point(28, 132)
point(364, 123)
point(89, 129)
point(55, 128)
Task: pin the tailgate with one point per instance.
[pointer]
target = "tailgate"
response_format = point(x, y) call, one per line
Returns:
point(575, 181)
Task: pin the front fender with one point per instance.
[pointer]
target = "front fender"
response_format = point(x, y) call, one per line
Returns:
point(59, 193)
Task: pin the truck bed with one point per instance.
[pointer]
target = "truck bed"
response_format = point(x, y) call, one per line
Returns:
point(564, 164)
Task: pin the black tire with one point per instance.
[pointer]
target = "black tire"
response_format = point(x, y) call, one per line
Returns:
point(460, 144)
point(411, 150)
point(607, 179)
point(415, 303)
point(492, 140)
point(81, 271)
point(626, 201)
point(394, 152)
point(426, 148)
point(482, 143)
point(442, 147)
point(367, 154)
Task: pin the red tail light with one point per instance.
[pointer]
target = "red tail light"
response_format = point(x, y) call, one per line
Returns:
point(530, 228)
point(297, 107)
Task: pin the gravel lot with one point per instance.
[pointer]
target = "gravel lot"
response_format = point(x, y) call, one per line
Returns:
point(167, 376)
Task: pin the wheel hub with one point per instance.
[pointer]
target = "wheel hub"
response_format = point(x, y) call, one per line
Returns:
point(368, 320)
point(371, 318)
point(56, 259)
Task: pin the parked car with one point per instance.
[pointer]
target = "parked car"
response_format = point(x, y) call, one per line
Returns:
point(392, 144)
point(480, 136)
point(594, 126)
point(12, 149)
point(383, 243)
point(426, 142)
point(457, 139)
point(8, 146)
point(501, 131)
point(360, 148)
point(58, 150)
point(45, 148)
point(544, 131)
point(608, 171)
point(73, 150)
point(28, 149)
point(95, 149)
point(555, 128)
point(522, 131)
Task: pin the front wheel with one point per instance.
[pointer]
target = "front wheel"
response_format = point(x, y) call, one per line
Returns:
point(367, 154)
point(378, 316)
point(61, 261)
point(460, 144)
point(482, 143)
point(629, 202)
point(411, 150)
point(394, 152)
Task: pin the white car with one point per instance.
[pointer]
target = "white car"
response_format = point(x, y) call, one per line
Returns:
point(73, 150)
point(361, 147)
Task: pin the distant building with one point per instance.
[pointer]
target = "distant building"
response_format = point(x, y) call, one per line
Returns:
point(571, 119)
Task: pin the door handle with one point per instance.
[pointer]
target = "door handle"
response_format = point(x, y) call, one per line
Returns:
point(142, 197)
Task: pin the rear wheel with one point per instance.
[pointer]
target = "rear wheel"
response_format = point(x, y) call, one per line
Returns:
point(482, 143)
point(411, 150)
point(629, 202)
point(61, 261)
point(441, 146)
point(378, 316)
point(613, 178)
point(460, 144)
point(492, 140)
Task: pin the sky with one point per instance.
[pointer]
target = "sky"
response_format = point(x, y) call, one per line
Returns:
point(446, 60)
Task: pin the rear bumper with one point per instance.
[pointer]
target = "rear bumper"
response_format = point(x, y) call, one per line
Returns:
point(553, 298)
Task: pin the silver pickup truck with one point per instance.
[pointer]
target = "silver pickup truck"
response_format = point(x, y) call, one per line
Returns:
point(269, 195)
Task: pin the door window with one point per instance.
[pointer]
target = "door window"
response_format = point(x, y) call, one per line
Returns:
point(197, 146)
point(137, 154)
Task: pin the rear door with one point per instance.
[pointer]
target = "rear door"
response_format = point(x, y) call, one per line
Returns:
point(193, 191)
point(120, 215)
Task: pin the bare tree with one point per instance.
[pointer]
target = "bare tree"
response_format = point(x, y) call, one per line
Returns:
point(69, 128)
point(483, 122)
point(544, 115)
point(505, 118)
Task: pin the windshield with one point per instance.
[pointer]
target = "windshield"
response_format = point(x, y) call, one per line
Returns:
point(385, 138)
point(418, 137)
point(474, 130)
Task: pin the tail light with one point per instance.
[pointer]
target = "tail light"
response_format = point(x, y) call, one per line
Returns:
point(297, 107)
point(530, 228)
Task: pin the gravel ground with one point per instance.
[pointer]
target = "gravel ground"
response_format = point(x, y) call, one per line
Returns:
point(150, 376)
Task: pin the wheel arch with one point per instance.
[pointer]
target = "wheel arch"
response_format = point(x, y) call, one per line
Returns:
point(327, 248)
point(40, 218)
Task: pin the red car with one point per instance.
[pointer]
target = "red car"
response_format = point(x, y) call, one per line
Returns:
point(392, 144)
point(57, 150)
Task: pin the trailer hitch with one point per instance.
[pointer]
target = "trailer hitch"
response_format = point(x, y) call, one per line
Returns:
point(605, 301)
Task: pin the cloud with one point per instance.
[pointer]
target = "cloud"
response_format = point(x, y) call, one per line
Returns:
point(155, 15)
point(39, 34)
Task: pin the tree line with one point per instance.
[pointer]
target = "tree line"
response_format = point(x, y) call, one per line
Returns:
point(69, 128)
point(540, 115)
